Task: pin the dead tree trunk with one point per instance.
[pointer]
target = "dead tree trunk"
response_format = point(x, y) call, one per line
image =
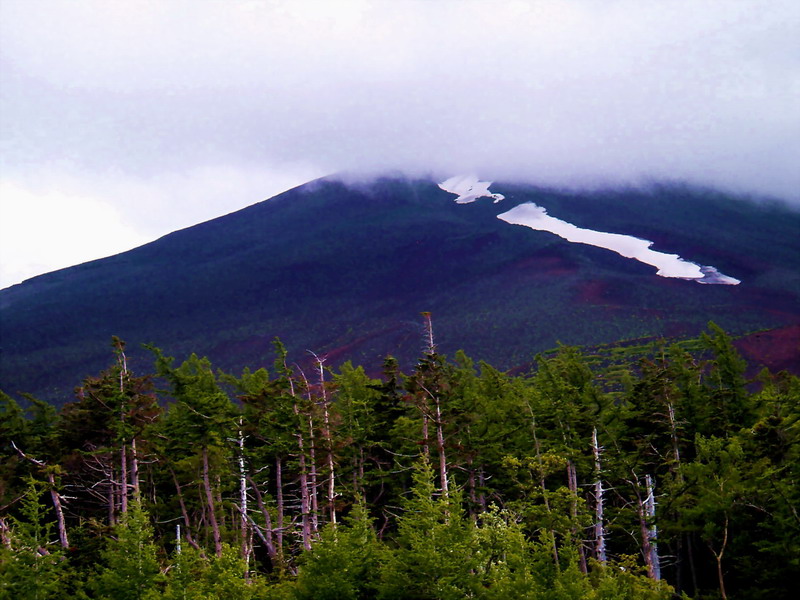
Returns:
point(431, 347)
point(279, 498)
point(123, 479)
point(426, 451)
point(184, 513)
point(61, 522)
point(440, 447)
point(123, 451)
point(267, 535)
point(245, 529)
point(137, 493)
point(440, 440)
point(599, 525)
point(112, 499)
point(5, 534)
point(312, 476)
point(572, 482)
point(326, 432)
point(312, 489)
point(718, 554)
point(643, 509)
point(650, 507)
point(212, 516)
point(305, 500)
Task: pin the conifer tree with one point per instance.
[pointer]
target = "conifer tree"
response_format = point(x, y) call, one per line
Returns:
point(345, 563)
point(131, 570)
point(201, 421)
point(435, 552)
point(32, 565)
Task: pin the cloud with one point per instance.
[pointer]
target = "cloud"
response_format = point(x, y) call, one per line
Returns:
point(61, 231)
point(64, 216)
point(555, 91)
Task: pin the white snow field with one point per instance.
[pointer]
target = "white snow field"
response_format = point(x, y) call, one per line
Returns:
point(468, 189)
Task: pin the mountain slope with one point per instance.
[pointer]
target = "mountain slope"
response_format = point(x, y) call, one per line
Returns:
point(345, 270)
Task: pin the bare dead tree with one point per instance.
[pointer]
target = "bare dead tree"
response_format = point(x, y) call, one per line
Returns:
point(55, 496)
point(599, 525)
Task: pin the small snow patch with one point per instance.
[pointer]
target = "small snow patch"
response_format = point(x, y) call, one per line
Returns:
point(468, 189)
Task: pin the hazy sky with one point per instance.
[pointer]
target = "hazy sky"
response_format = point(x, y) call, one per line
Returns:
point(124, 120)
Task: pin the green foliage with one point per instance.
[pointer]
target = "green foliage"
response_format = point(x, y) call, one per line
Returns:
point(32, 566)
point(729, 396)
point(518, 519)
point(194, 576)
point(625, 579)
point(131, 570)
point(436, 552)
point(507, 564)
point(202, 413)
point(344, 564)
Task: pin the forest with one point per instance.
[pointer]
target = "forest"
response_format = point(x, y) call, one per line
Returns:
point(671, 475)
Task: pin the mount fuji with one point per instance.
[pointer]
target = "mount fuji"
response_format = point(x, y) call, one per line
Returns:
point(343, 268)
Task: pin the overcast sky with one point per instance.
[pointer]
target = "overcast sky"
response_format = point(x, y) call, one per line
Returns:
point(123, 120)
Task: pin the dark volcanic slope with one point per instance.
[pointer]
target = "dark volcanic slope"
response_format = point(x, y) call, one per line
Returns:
point(345, 270)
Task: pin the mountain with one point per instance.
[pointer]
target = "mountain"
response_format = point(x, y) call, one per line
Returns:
point(344, 269)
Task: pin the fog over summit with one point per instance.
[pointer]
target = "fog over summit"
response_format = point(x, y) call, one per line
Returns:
point(173, 113)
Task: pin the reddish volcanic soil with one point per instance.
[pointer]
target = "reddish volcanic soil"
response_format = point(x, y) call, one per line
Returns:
point(776, 349)
point(337, 353)
point(542, 264)
point(594, 292)
point(604, 292)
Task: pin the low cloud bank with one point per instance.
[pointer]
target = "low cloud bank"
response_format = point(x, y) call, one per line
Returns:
point(562, 93)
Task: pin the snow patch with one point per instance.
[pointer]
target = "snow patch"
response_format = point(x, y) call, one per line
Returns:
point(712, 276)
point(468, 189)
point(668, 265)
